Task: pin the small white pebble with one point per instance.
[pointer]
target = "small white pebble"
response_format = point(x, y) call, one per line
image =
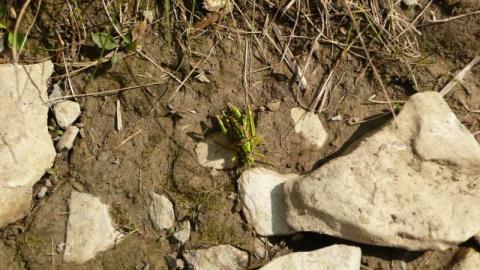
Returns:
point(337, 117)
point(410, 2)
point(41, 193)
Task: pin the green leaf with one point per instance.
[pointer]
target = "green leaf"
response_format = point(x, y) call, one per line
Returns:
point(3, 25)
point(20, 39)
point(103, 40)
point(51, 171)
point(116, 57)
point(132, 46)
point(127, 39)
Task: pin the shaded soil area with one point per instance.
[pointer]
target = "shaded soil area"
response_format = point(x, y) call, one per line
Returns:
point(169, 107)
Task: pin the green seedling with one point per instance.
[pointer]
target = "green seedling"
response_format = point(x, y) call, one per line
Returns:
point(55, 130)
point(16, 39)
point(53, 173)
point(238, 126)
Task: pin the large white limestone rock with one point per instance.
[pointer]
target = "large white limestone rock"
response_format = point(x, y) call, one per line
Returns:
point(26, 148)
point(332, 257)
point(411, 185)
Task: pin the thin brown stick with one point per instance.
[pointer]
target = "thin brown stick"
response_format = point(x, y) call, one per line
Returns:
point(17, 26)
point(367, 54)
point(459, 76)
point(127, 139)
point(110, 92)
point(245, 71)
point(199, 63)
point(414, 20)
point(430, 22)
point(289, 56)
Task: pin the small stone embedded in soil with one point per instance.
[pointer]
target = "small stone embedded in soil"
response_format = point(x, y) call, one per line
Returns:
point(214, 152)
point(148, 15)
point(27, 145)
point(161, 212)
point(42, 192)
point(89, 228)
point(60, 247)
point(183, 232)
point(332, 257)
point(264, 207)
point(410, 2)
point(396, 186)
point(174, 263)
point(309, 126)
point(259, 249)
point(103, 156)
point(216, 5)
point(274, 105)
point(466, 259)
point(68, 138)
point(217, 257)
point(66, 112)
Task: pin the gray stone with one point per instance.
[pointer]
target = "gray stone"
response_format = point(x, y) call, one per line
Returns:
point(309, 126)
point(409, 185)
point(264, 207)
point(26, 148)
point(68, 138)
point(161, 212)
point(214, 153)
point(274, 105)
point(333, 257)
point(183, 232)
point(224, 257)
point(89, 228)
point(66, 112)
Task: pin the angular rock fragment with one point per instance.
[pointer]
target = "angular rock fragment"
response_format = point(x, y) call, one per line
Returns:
point(183, 232)
point(261, 193)
point(333, 257)
point(223, 257)
point(68, 138)
point(309, 126)
point(89, 228)
point(409, 185)
point(161, 212)
point(66, 112)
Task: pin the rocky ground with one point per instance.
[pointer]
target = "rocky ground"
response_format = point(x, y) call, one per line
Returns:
point(113, 157)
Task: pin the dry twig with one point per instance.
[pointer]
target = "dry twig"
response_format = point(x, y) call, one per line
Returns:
point(459, 76)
